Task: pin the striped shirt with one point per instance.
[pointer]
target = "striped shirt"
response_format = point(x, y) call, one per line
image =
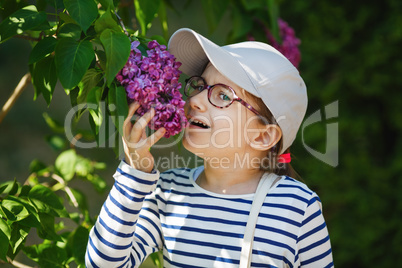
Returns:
point(145, 213)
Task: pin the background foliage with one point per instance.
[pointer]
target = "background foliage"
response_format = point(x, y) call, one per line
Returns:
point(350, 53)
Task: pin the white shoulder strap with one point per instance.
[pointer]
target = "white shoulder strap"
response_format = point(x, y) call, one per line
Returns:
point(267, 181)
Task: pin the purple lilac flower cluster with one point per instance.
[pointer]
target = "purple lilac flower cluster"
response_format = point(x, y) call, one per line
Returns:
point(290, 43)
point(153, 81)
point(289, 46)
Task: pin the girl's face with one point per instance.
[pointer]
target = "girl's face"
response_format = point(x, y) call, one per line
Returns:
point(215, 132)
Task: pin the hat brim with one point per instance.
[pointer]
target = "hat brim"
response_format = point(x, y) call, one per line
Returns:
point(194, 51)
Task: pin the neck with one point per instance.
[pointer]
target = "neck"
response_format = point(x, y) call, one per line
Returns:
point(229, 179)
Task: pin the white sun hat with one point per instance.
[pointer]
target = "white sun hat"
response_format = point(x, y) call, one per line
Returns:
point(254, 66)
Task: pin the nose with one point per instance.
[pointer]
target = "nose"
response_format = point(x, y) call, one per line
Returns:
point(199, 102)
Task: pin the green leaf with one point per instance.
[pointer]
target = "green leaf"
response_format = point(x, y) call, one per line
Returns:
point(44, 77)
point(80, 241)
point(273, 11)
point(5, 228)
point(107, 4)
point(214, 11)
point(18, 236)
point(122, 106)
point(47, 230)
point(22, 20)
point(65, 164)
point(56, 142)
point(81, 199)
point(90, 80)
point(117, 47)
point(42, 49)
point(54, 125)
point(15, 211)
point(4, 244)
point(47, 255)
point(94, 107)
point(44, 199)
point(253, 4)
point(98, 182)
point(242, 23)
point(118, 106)
point(82, 11)
point(72, 60)
point(145, 12)
point(106, 21)
point(9, 187)
point(70, 30)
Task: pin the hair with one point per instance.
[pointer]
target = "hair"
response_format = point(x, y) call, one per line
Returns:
point(271, 163)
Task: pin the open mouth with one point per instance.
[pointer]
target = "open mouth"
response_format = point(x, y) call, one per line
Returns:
point(198, 123)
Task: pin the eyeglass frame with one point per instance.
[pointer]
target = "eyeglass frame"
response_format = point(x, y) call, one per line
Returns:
point(210, 87)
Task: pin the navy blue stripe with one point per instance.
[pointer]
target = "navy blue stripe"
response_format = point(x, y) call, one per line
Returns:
point(276, 230)
point(123, 208)
point(125, 263)
point(201, 218)
point(312, 217)
point(107, 243)
point(316, 244)
point(294, 186)
point(154, 225)
point(203, 231)
point(186, 193)
point(151, 211)
point(149, 234)
point(179, 264)
point(91, 261)
point(136, 252)
point(279, 218)
point(313, 200)
point(315, 230)
point(114, 232)
point(316, 258)
point(274, 243)
point(209, 207)
point(265, 265)
point(136, 179)
point(173, 181)
point(173, 171)
point(103, 256)
point(114, 217)
point(202, 243)
point(331, 264)
point(282, 206)
point(203, 256)
point(131, 190)
point(292, 196)
point(271, 255)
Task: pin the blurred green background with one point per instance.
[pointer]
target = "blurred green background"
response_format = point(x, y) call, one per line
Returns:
point(351, 54)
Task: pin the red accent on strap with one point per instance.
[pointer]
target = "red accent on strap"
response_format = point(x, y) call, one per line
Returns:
point(284, 158)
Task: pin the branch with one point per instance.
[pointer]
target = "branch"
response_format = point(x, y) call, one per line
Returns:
point(66, 188)
point(25, 80)
point(18, 264)
point(122, 24)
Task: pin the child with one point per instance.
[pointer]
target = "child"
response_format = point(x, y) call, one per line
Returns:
point(245, 104)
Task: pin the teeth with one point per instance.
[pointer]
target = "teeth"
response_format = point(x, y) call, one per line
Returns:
point(199, 122)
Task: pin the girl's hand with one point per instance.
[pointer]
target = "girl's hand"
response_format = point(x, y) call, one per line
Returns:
point(135, 141)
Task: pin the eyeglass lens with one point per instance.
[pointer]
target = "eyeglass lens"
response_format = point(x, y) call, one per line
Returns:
point(219, 95)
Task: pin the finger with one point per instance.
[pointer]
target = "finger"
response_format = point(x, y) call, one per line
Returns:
point(155, 137)
point(141, 124)
point(127, 125)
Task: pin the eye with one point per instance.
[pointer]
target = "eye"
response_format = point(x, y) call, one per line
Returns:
point(224, 96)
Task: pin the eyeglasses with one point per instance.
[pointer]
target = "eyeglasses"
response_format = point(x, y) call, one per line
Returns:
point(219, 95)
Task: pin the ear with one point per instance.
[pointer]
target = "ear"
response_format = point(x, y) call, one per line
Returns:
point(266, 137)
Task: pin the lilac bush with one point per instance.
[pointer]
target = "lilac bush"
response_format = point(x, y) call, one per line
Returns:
point(153, 81)
point(289, 46)
point(290, 43)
